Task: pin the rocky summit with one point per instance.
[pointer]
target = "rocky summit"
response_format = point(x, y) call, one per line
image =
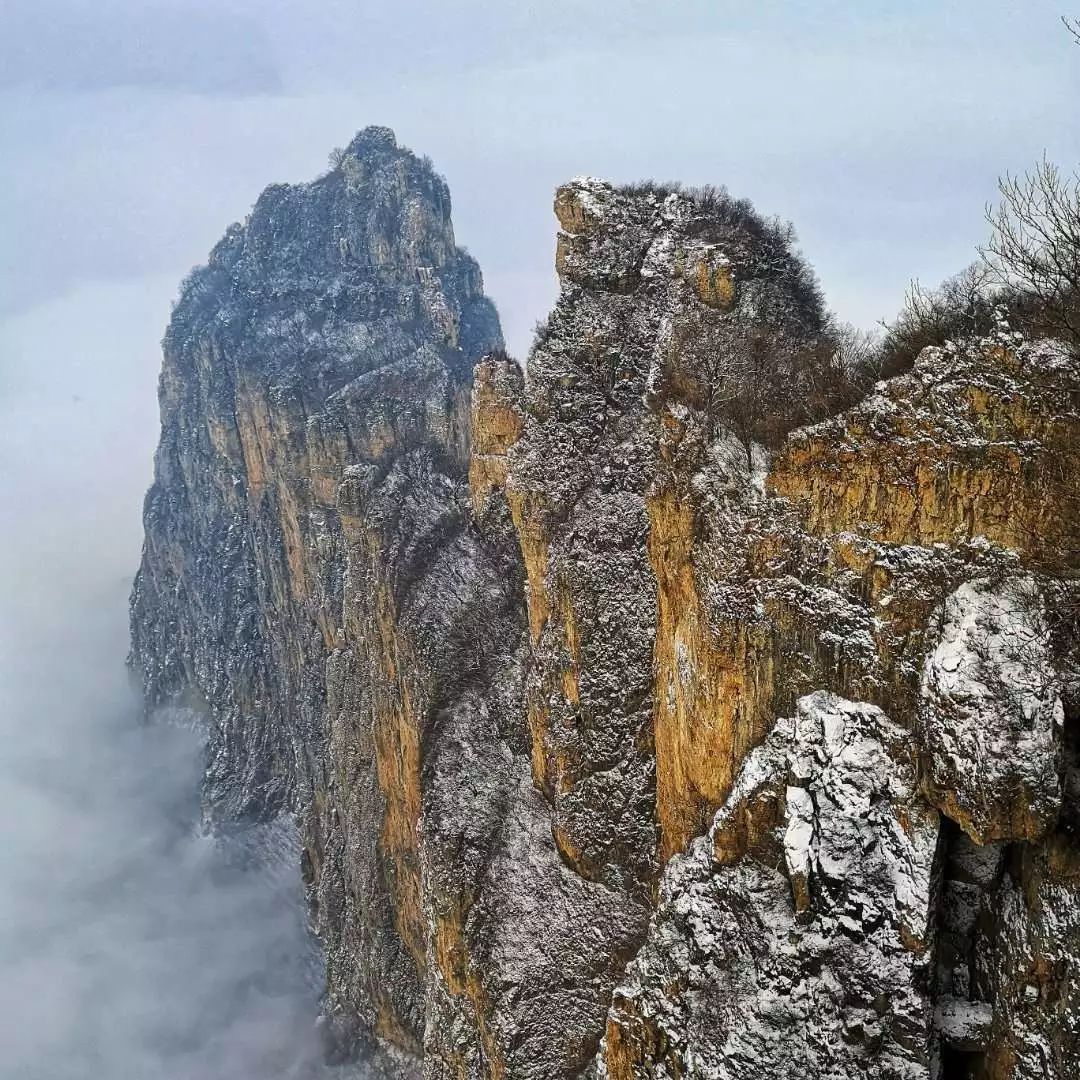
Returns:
point(654, 710)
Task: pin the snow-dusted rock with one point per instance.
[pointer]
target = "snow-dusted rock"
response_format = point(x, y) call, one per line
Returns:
point(991, 714)
point(809, 955)
point(964, 1024)
point(510, 649)
point(1028, 965)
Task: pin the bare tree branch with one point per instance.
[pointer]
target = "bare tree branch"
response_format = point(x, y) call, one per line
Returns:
point(1034, 247)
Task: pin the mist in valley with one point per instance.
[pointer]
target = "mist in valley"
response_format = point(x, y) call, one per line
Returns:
point(132, 944)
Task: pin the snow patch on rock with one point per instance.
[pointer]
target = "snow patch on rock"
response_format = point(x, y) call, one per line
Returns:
point(991, 714)
point(804, 957)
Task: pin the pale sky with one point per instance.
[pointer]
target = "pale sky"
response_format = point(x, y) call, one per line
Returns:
point(135, 131)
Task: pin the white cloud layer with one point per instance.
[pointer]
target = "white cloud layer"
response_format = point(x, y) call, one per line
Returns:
point(132, 946)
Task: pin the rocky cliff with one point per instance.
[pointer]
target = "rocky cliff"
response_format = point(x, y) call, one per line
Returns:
point(622, 743)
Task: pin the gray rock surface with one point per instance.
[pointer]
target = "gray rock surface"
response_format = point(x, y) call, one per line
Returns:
point(310, 567)
point(618, 705)
point(808, 956)
point(992, 715)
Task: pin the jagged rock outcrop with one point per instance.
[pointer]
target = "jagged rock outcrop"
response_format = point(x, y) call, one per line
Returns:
point(626, 735)
point(991, 714)
point(311, 570)
point(730, 983)
point(935, 606)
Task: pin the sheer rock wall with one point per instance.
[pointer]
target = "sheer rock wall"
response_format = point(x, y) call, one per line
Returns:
point(619, 744)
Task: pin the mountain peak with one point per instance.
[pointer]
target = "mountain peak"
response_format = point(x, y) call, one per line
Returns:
point(372, 137)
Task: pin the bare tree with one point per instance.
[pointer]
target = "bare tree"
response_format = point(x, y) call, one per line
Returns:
point(855, 350)
point(1034, 247)
point(961, 306)
point(1073, 26)
point(758, 381)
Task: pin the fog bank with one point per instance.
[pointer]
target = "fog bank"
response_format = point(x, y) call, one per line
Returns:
point(132, 946)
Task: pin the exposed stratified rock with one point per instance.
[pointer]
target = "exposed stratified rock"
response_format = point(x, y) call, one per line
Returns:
point(311, 572)
point(871, 594)
point(497, 420)
point(620, 408)
point(979, 440)
point(507, 645)
point(808, 954)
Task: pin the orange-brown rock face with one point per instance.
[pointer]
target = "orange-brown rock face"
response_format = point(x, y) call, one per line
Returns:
point(310, 493)
point(834, 582)
point(332, 568)
point(496, 423)
point(641, 701)
point(913, 554)
point(974, 443)
point(714, 683)
point(619, 743)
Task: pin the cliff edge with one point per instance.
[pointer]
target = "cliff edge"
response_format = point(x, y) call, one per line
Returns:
point(655, 712)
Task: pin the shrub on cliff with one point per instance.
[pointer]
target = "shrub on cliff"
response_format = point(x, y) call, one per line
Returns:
point(763, 379)
point(772, 357)
point(760, 247)
point(962, 306)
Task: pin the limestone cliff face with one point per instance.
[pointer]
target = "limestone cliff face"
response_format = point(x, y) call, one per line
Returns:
point(621, 745)
point(858, 889)
point(311, 570)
